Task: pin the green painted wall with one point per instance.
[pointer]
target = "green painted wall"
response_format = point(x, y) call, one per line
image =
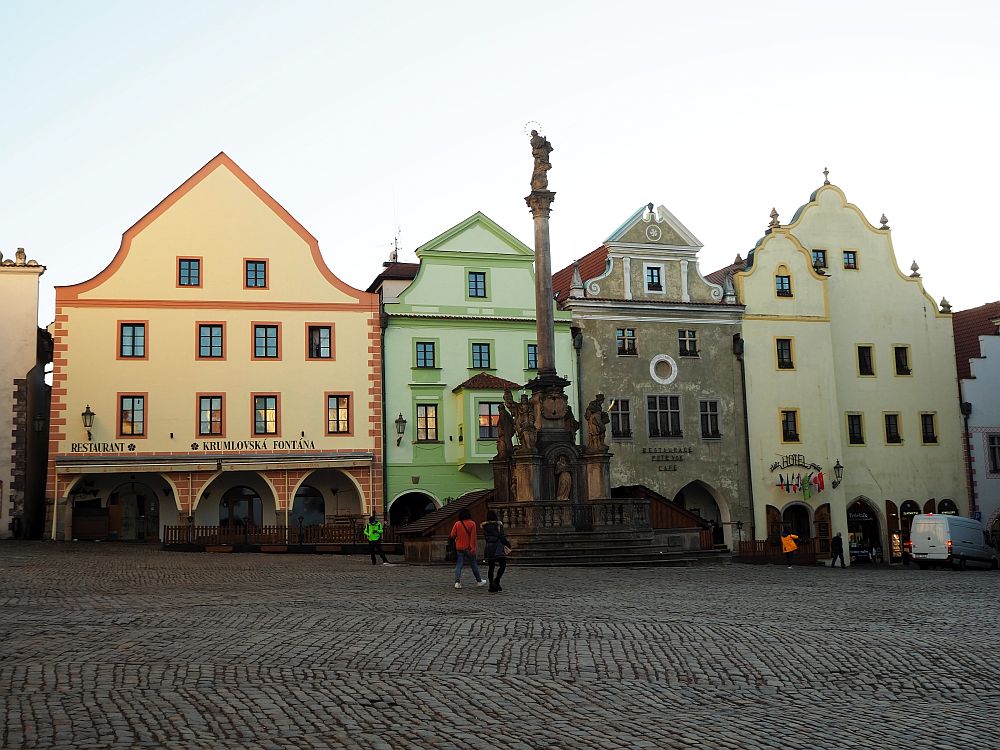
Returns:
point(436, 309)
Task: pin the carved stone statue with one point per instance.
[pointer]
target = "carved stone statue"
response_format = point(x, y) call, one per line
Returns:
point(505, 434)
point(524, 420)
point(571, 423)
point(564, 479)
point(540, 149)
point(596, 418)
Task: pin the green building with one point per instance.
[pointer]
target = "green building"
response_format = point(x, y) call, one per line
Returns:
point(458, 328)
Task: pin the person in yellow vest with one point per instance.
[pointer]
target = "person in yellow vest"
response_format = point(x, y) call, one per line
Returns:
point(373, 533)
point(788, 546)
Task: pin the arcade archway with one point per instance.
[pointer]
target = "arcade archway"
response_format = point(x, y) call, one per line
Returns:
point(701, 499)
point(409, 507)
point(864, 532)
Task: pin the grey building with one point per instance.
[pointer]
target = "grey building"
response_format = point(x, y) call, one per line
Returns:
point(661, 342)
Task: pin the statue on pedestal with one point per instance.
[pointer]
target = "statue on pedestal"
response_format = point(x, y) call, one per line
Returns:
point(505, 434)
point(524, 420)
point(596, 419)
point(564, 479)
point(540, 149)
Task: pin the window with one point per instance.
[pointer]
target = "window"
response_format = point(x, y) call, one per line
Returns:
point(189, 272)
point(132, 416)
point(866, 361)
point(654, 279)
point(621, 418)
point(338, 414)
point(477, 283)
point(664, 413)
point(425, 354)
point(132, 340)
point(427, 423)
point(256, 274)
point(489, 420)
point(265, 342)
point(688, 341)
point(851, 260)
point(265, 414)
point(993, 445)
point(892, 434)
point(210, 341)
point(210, 415)
point(855, 429)
point(783, 349)
point(928, 428)
point(790, 426)
point(481, 356)
point(709, 411)
point(783, 285)
point(625, 338)
point(902, 356)
point(319, 340)
point(819, 258)
point(532, 357)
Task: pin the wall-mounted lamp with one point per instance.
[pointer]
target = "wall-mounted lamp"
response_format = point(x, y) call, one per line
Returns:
point(400, 428)
point(88, 421)
point(838, 473)
point(460, 437)
point(38, 422)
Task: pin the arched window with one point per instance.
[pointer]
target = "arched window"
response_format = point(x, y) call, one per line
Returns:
point(795, 518)
point(947, 508)
point(240, 507)
point(308, 505)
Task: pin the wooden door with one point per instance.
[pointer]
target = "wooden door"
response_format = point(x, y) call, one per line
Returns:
point(822, 521)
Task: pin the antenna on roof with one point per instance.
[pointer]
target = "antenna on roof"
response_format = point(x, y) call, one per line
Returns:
point(394, 255)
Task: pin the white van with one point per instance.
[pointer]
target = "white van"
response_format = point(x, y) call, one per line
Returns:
point(950, 540)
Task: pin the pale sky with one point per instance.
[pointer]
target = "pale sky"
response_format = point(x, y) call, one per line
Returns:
point(361, 117)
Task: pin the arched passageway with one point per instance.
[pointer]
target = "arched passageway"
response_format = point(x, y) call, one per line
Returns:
point(701, 499)
point(795, 519)
point(408, 507)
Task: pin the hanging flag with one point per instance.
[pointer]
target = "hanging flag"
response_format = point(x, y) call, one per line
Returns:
point(822, 484)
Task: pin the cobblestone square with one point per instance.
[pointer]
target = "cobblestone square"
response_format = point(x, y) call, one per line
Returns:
point(115, 646)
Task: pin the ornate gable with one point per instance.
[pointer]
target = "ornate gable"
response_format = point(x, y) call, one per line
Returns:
point(652, 227)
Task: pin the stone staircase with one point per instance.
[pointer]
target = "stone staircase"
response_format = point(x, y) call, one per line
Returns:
point(608, 549)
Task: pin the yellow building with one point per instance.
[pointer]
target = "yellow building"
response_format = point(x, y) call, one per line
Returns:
point(849, 370)
point(216, 374)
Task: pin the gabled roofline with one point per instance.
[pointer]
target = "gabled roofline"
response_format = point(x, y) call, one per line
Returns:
point(72, 291)
point(477, 218)
point(665, 215)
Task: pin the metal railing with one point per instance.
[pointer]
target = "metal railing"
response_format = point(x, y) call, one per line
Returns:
point(601, 515)
point(328, 533)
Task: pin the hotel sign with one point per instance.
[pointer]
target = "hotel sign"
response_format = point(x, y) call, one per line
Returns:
point(239, 446)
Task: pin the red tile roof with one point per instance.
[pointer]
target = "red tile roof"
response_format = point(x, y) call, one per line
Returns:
point(968, 326)
point(484, 381)
point(591, 265)
point(395, 271)
point(719, 277)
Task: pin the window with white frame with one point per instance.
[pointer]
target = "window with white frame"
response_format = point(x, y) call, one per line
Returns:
point(709, 412)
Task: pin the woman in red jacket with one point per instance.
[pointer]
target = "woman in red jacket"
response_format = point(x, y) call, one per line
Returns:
point(464, 534)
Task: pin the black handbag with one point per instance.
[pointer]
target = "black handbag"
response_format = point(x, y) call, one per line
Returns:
point(450, 555)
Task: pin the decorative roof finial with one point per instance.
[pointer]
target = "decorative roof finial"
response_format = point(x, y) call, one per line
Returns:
point(826, 176)
point(884, 222)
point(774, 224)
point(916, 270)
point(576, 285)
point(945, 305)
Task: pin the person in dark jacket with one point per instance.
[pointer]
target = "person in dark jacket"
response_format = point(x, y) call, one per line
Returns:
point(837, 546)
point(496, 556)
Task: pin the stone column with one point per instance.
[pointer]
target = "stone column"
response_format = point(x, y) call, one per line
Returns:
point(540, 202)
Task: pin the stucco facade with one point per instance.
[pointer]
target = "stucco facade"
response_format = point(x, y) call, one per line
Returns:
point(658, 340)
point(848, 362)
point(980, 397)
point(454, 338)
point(232, 379)
point(24, 351)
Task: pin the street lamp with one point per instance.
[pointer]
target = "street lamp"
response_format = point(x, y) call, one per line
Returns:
point(400, 428)
point(88, 421)
point(838, 473)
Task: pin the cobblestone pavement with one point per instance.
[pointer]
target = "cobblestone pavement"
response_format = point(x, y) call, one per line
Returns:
point(105, 646)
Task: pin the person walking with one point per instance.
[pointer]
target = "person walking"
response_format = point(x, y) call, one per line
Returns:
point(373, 533)
point(837, 546)
point(464, 534)
point(496, 549)
point(788, 546)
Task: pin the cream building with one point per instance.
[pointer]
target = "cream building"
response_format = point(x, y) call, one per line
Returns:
point(849, 369)
point(216, 373)
point(24, 351)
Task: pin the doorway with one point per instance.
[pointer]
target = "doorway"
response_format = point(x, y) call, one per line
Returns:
point(795, 519)
point(864, 533)
point(409, 507)
point(133, 513)
point(241, 508)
